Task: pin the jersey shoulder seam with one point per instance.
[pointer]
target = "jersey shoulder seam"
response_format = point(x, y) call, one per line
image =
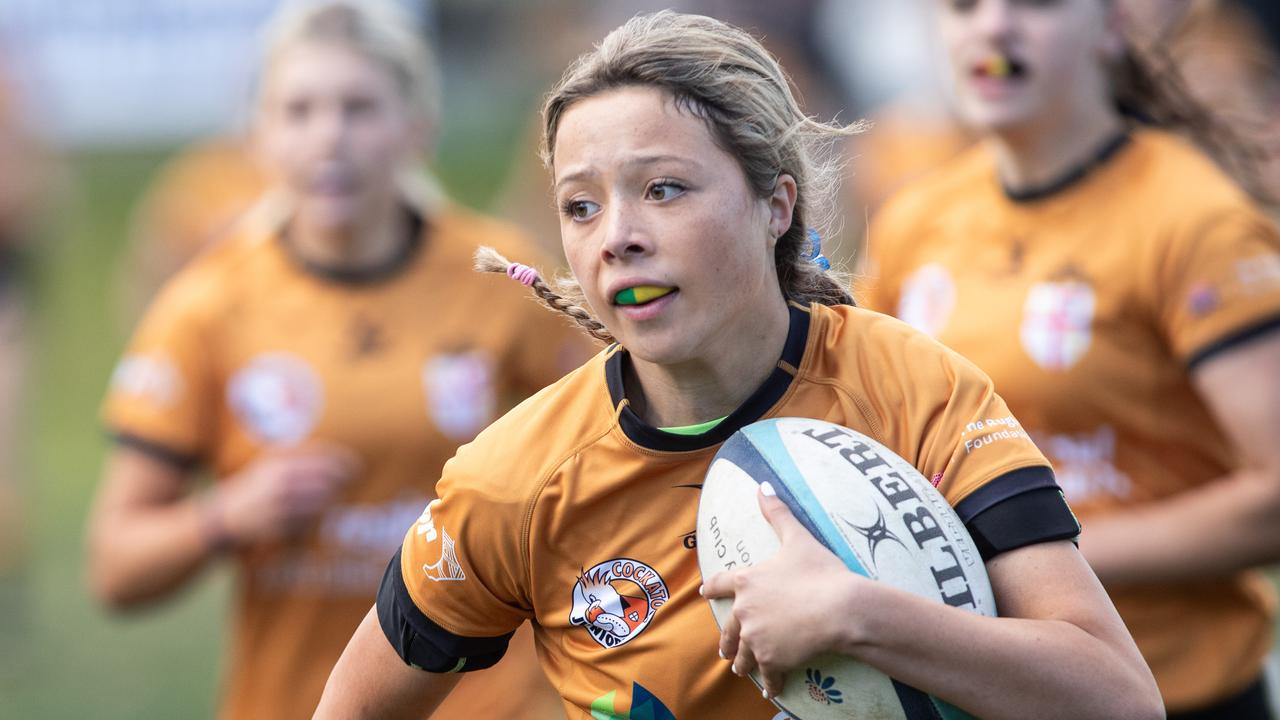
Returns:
point(526, 523)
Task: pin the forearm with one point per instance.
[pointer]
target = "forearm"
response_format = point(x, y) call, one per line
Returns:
point(1220, 528)
point(148, 553)
point(371, 681)
point(1004, 667)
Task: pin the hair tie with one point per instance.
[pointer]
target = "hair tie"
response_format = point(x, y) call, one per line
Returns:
point(522, 274)
point(815, 249)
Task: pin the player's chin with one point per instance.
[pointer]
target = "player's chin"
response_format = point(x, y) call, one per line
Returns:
point(666, 346)
point(331, 212)
point(997, 116)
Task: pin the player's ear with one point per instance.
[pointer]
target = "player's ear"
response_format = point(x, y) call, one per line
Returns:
point(257, 132)
point(782, 203)
point(422, 135)
point(1116, 24)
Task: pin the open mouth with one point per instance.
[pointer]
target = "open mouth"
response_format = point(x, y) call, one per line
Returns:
point(642, 295)
point(1001, 66)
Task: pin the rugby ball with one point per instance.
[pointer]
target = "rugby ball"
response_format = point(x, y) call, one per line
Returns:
point(870, 508)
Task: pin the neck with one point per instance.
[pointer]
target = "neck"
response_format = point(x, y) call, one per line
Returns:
point(1028, 158)
point(367, 244)
point(714, 385)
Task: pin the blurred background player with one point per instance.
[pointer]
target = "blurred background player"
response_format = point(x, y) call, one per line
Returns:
point(321, 361)
point(1226, 56)
point(1124, 294)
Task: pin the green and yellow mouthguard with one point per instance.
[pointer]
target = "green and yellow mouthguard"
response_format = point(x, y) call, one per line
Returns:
point(641, 294)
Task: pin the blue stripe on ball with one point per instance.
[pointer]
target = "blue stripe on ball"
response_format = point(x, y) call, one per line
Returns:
point(766, 443)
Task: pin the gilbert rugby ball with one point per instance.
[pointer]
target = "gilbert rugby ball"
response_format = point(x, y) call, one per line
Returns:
point(869, 507)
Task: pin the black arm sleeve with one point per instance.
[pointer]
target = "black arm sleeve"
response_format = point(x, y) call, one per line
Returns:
point(1019, 508)
point(180, 460)
point(423, 644)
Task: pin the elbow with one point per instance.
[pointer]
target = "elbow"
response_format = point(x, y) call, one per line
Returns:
point(107, 592)
point(1152, 708)
point(1146, 703)
point(110, 588)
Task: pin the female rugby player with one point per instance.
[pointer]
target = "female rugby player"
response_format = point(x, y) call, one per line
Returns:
point(1124, 294)
point(320, 364)
point(687, 178)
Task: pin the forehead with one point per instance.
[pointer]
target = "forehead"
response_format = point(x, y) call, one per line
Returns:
point(622, 124)
point(313, 64)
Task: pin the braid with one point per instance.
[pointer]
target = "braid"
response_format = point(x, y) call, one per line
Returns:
point(489, 260)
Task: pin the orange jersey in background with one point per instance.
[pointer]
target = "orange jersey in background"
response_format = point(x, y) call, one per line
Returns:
point(248, 348)
point(574, 513)
point(1088, 306)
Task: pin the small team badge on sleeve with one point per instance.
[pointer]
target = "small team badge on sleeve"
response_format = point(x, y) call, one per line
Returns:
point(1203, 298)
point(150, 378)
point(448, 568)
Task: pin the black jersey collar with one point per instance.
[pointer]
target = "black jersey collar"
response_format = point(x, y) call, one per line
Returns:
point(385, 270)
point(764, 398)
point(1071, 176)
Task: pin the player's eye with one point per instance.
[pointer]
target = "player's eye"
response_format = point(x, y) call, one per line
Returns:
point(297, 110)
point(663, 190)
point(962, 6)
point(359, 107)
point(579, 210)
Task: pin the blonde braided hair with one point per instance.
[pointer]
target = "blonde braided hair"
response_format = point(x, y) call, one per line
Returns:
point(489, 260)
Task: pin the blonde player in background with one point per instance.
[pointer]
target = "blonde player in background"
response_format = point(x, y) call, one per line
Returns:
point(1124, 294)
point(687, 178)
point(322, 364)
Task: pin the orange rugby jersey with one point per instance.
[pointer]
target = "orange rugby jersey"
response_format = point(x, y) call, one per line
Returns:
point(570, 506)
point(249, 348)
point(1088, 305)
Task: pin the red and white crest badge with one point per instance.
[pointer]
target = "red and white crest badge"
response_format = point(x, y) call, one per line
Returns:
point(277, 396)
point(1057, 323)
point(927, 299)
point(461, 398)
point(616, 599)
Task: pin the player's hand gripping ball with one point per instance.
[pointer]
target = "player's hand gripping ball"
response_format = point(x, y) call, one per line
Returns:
point(844, 504)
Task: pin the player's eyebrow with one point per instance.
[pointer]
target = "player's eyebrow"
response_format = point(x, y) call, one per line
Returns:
point(638, 160)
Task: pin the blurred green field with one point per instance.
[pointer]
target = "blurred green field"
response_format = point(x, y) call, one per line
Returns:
point(61, 656)
point(64, 657)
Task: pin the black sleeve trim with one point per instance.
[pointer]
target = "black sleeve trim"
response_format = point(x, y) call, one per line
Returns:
point(1004, 487)
point(1017, 509)
point(423, 644)
point(1233, 339)
point(159, 451)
